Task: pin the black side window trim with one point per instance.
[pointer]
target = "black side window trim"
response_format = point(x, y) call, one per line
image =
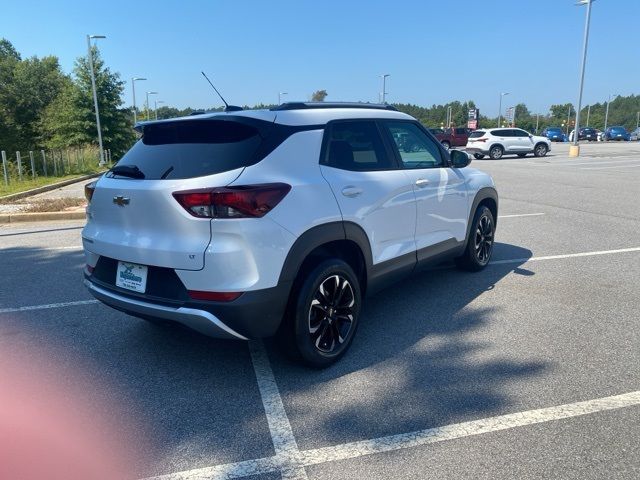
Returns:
point(398, 159)
point(324, 149)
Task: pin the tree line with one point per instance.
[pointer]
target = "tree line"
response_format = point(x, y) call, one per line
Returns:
point(41, 107)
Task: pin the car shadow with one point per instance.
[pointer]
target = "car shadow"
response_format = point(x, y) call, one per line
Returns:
point(417, 360)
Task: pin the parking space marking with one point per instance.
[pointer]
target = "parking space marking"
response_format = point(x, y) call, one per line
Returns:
point(29, 232)
point(568, 255)
point(284, 443)
point(613, 166)
point(48, 306)
point(410, 440)
point(521, 215)
point(34, 249)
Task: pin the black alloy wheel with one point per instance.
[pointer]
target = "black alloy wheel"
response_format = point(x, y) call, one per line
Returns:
point(479, 247)
point(483, 240)
point(331, 314)
point(323, 313)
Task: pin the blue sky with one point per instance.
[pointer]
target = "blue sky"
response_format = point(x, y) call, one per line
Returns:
point(435, 51)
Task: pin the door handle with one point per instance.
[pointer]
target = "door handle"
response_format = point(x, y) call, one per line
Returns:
point(422, 182)
point(351, 191)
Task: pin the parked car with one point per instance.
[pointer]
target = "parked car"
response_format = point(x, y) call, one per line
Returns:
point(635, 135)
point(497, 142)
point(554, 134)
point(451, 137)
point(245, 224)
point(586, 133)
point(616, 133)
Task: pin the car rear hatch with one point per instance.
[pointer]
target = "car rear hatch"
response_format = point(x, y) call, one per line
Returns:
point(133, 215)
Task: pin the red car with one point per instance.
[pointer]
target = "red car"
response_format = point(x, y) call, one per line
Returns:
point(451, 137)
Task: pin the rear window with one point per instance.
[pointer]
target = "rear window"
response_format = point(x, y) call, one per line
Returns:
point(477, 134)
point(554, 130)
point(618, 129)
point(188, 149)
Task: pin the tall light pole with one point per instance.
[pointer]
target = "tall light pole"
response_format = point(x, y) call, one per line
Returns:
point(575, 150)
point(384, 87)
point(568, 119)
point(280, 96)
point(149, 93)
point(637, 120)
point(156, 102)
point(537, 122)
point(95, 93)
point(500, 106)
point(133, 89)
point(588, 114)
point(606, 115)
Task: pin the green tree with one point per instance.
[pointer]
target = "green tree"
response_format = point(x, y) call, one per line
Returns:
point(72, 117)
point(319, 96)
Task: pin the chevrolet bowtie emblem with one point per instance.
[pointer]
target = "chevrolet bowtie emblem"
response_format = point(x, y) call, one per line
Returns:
point(121, 201)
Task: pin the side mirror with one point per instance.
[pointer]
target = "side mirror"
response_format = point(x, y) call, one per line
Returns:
point(459, 159)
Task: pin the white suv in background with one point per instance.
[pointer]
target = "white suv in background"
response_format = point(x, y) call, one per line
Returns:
point(245, 224)
point(496, 142)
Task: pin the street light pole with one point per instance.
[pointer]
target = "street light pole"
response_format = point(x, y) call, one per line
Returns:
point(156, 102)
point(147, 107)
point(575, 151)
point(500, 107)
point(588, 114)
point(568, 119)
point(537, 122)
point(95, 94)
point(606, 115)
point(133, 88)
point(384, 87)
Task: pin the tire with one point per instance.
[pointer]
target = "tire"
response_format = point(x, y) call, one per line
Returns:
point(521, 155)
point(479, 156)
point(479, 247)
point(496, 152)
point(540, 150)
point(446, 145)
point(323, 314)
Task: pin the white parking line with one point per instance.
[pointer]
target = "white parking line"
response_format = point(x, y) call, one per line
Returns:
point(47, 306)
point(410, 440)
point(568, 255)
point(284, 443)
point(521, 215)
point(35, 249)
point(616, 166)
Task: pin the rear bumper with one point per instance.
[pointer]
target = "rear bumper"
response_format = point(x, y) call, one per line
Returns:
point(475, 149)
point(254, 314)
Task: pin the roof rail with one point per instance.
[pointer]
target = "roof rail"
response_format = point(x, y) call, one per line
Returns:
point(315, 105)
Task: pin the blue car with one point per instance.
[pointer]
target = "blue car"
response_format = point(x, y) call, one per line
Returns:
point(616, 133)
point(554, 134)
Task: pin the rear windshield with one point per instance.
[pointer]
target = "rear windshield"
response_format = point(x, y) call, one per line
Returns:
point(476, 134)
point(618, 129)
point(187, 149)
point(554, 130)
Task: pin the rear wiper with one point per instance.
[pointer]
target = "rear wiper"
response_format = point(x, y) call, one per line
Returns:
point(166, 173)
point(131, 171)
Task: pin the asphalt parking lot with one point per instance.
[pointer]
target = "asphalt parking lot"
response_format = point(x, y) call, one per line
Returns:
point(529, 369)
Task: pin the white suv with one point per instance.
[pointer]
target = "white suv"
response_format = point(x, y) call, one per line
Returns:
point(497, 142)
point(245, 224)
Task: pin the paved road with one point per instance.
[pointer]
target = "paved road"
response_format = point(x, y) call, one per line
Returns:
point(528, 369)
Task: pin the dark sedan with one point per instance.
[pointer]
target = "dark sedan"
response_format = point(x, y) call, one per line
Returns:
point(588, 133)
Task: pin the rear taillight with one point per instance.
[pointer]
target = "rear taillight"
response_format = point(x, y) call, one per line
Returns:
point(89, 188)
point(233, 202)
point(214, 296)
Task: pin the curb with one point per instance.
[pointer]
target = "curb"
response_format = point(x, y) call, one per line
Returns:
point(42, 216)
point(46, 188)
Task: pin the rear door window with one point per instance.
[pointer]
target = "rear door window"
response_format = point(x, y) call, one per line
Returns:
point(356, 146)
point(502, 133)
point(477, 134)
point(193, 148)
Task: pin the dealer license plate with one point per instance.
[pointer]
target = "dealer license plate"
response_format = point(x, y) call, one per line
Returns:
point(132, 276)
